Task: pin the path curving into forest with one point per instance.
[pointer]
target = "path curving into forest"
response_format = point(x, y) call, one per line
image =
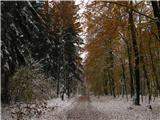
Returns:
point(83, 110)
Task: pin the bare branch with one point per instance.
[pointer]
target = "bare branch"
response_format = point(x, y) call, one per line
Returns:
point(133, 10)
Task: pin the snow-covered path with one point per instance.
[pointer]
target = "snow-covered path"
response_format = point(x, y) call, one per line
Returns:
point(85, 108)
point(108, 108)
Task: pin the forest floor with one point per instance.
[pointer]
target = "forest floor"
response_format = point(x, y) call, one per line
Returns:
point(84, 108)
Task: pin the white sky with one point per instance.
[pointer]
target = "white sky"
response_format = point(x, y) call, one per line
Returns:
point(82, 9)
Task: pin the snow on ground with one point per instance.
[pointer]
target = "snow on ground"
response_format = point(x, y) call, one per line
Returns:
point(60, 108)
point(81, 108)
point(121, 109)
point(46, 110)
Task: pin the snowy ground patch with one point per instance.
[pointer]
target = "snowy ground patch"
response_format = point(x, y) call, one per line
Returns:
point(82, 108)
point(46, 110)
point(123, 109)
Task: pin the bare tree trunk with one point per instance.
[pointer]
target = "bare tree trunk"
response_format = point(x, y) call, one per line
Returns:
point(153, 68)
point(111, 73)
point(111, 84)
point(110, 69)
point(105, 83)
point(5, 96)
point(130, 70)
point(123, 81)
point(68, 85)
point(156, 11)
point(146, 78)
point(129, 54)
point(136, 55)
point(58, 80)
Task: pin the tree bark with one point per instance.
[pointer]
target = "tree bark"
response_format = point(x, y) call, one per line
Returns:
point(156, 11)
point(153, 67)
point(136, 61)
point(5, 96)
point(146, 78)
point(129, 54)
point(124, 88)
point(111, 73)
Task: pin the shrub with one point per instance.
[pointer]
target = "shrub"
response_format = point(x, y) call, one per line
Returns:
point(30, 84)
point(19, 85)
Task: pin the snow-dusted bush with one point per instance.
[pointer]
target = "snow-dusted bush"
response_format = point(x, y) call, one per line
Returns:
point(20, 85)
point(29, 84)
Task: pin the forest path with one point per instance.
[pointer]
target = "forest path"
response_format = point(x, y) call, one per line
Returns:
point(83, 110)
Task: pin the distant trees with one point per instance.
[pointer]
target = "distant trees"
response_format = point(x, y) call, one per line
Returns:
point(41, 32)
point(122, 49)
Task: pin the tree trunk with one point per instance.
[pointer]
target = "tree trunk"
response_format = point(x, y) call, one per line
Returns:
point(68, 87)
point(129, 54)
point(111, 73)
point(156, 11)
point(153, 67)
point(124, 88)
point(58, 82)
point(136, 61)
point(5, 96)
point(130, 71)
point(105, 83)
point(146, 78)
